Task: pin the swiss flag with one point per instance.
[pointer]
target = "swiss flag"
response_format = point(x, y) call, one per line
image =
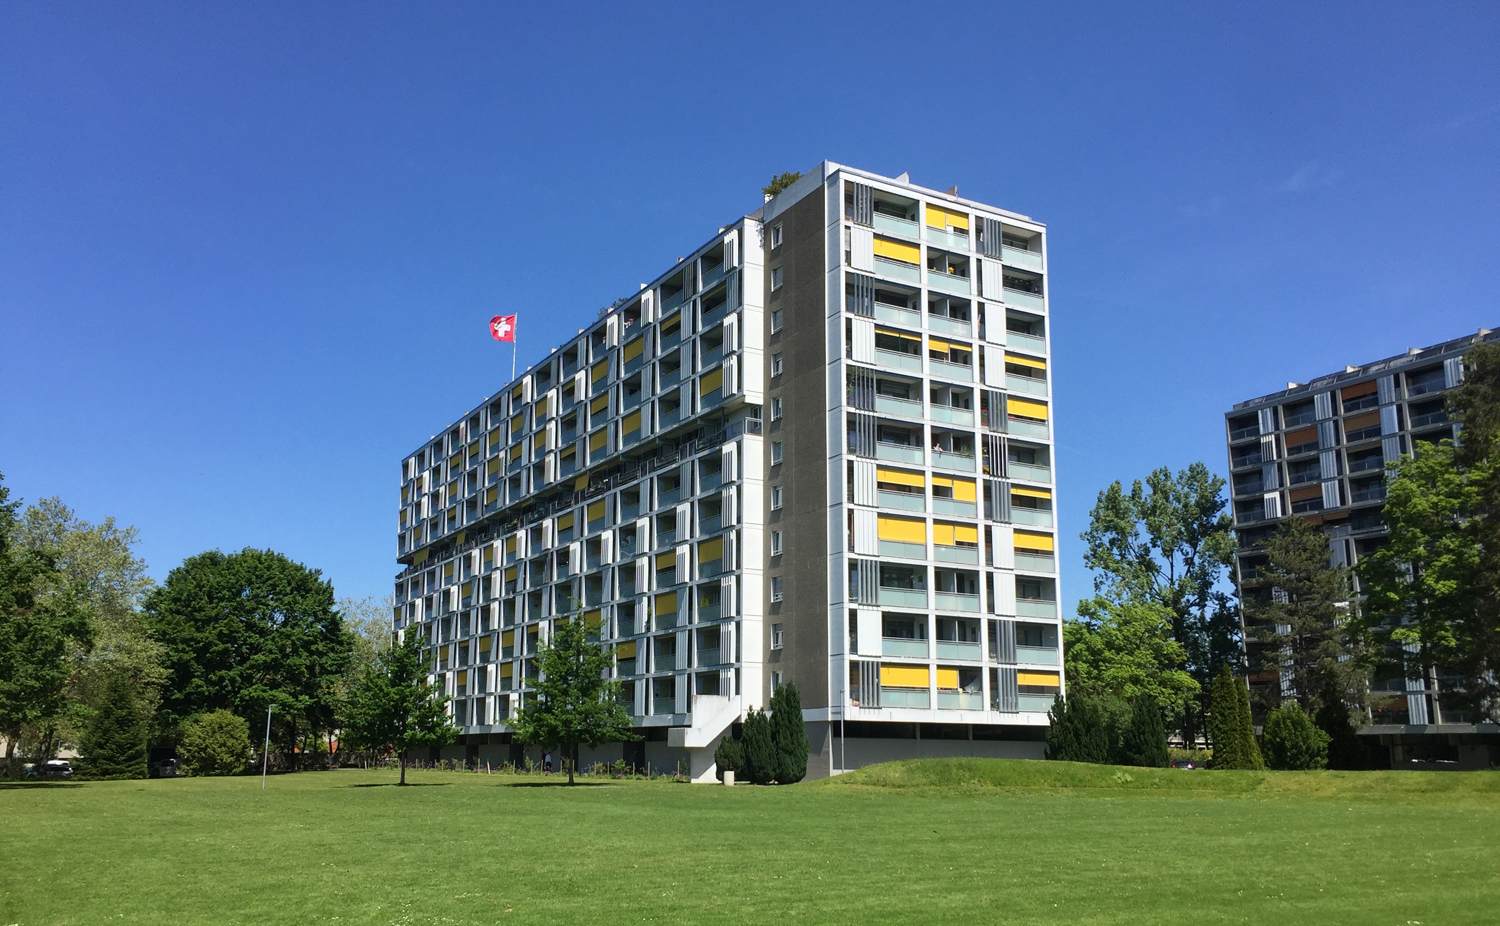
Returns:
point(503, 328)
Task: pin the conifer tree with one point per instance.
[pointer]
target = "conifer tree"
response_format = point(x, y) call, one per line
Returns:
point(1245, 728)
point(1078, 732)
point(1293, 743)
point(1145, 738)
point(760, 748)
point(788, 734)
point(729, 756)
point(1344, 748)
point(1223, 730)
point(114, 744)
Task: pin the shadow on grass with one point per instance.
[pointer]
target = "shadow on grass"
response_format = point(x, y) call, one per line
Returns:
point(556, 784)
point(397, 784)
point(37, 785)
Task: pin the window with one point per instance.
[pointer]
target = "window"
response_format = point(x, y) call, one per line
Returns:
point(775, 453)
point(775, 279)
point(776, 592)
point(775, 498)
point(776, 236)
point(776, 636)
point(775, 321)
point(776, 364)
point(775, 680)
point(775, 543)
point(776, 408)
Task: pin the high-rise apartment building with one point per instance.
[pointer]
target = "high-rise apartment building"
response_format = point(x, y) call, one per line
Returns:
point(817, 451)
point(1318, 450)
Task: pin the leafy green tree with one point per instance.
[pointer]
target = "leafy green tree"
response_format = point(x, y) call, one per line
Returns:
point(1344, 748)
point(1124, 650)
point(115, 742)
point(574, 701)
point(780, 182)
point(37, 625)
point(216, 743)
point(242, 631)
point(1231, 731)
point(729, 756)
point(1079, 731)
point(1293, 742)
point(394, 706)
point(1303, 619)
point(1431, 588)
point(760, 748)
point(1144, 740)
point(1166, 542)
point(788, 734)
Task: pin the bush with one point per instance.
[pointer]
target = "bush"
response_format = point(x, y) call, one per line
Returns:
point(1079, 731)
point(1293, 742)
point(788, 735)
point(760, 748)
point(1144, 740)
point(216, 743)
point(729, 757)
point(114, 744)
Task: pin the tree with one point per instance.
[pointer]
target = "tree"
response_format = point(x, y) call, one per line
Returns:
point(1303, 623)
point(1126, 650)
point(1344, 748)
point(37, 625)
point(242, 631)
point(573, 701)
point(1167, 543)
point(729, 756)
point(780, 182)
point(394, 706)
point(1293, 743)
point(1144, 740)
point(759, 747)
point(216, 743)
point(1231, 731)
point(1078, 731)
point(115, 742)
point(788, 734)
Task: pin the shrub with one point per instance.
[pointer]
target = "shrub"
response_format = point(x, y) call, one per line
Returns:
point(216, 743)
point(729, 757)
point(1293, 742)
point(1078, 731)
point(1144, 740)
point(760, 749)
point(114, 743)
point(788, 735)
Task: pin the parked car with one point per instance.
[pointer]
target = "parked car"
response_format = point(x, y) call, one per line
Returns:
point(1184, 764)
point(166, 768)
point(52, 768)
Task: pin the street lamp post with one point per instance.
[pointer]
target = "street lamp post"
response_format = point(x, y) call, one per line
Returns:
point(265, 754)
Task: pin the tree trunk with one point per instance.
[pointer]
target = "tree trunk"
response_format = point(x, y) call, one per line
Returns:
point(569, 759)
point(403, 766)
point(10, 752)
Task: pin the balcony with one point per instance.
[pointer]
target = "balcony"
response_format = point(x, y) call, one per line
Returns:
point(1031, 702)
point(898, 315)
point(1028, 471)
point(1024, 300)
point(906, 228)
point(709, 525)
point(943, 553)
point(709, 657)
point(904, 501)
point(960, 700)
point(1245, 433)
point(1035, 562)
point(1371, 463)
point(890, 405)
point(952, 649)
point(949, 282)
point(712, 276)
point(712, 356)
point(1037, 655)
point(1035, 607)
point(1026, 427)
point(1243, 460)
point(1015, 257)
point(1372, 494)
point(956, 371)
point(947, 240)
point(668, 378)
point(1435, 417)
point(955, 601)
point(1029, 384)
point(948, 325)
point(668, 419)
point(953, 506)
point(1034, 517)
point(959, 462)
point(709, 612)
point(902, 646)
point(899, 361)
point(902, 550)
point(898, 270)
point(952, 415)
point(902, 597)
point(1028, 342)
point(1424, 386)
point(898, 453)
point(904, 697)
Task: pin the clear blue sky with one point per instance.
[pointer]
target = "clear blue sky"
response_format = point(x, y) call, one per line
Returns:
point(247, 252)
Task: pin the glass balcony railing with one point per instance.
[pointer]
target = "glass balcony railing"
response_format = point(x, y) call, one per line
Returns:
point(903, 646)
point(898, 453)
point(707, 482)
point(896, 226)
point(1028, 471)
point(709, 657)
point(1037, 655)
point(954, 649)
point(960, 700)
point(1024, 300)
point(1015, 257)
point(954, 506)
point(903, 597)
point(663, 705)
point(712, 276)
point(901, 550)
point(899, 361)
point(709, 612)
point(946, 554)
point(949, 282)
point(898, 315)
point(1024, 427)
point(956, 601)
point(709, 525)
point(948, 325)
point(961, 462)
point(904, 697)
point(1027, 342)
point(890, 405)
point(904, 501)
point(1035, 607)
point(956, 371)
point(963, 416)
point(948, 240)
point(1032, 562)
point(1028, 384)
point(665, 497)
point(898, 270)
point(1034, 517)
point(1033, 702)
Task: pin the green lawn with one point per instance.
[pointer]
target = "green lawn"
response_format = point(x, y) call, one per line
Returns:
point(959, 841)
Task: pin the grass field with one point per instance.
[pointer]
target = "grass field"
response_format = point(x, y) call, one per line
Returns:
point(935, 842)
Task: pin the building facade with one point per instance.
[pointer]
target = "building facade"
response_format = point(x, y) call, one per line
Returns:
point(1318, 450)
point(817, 451)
